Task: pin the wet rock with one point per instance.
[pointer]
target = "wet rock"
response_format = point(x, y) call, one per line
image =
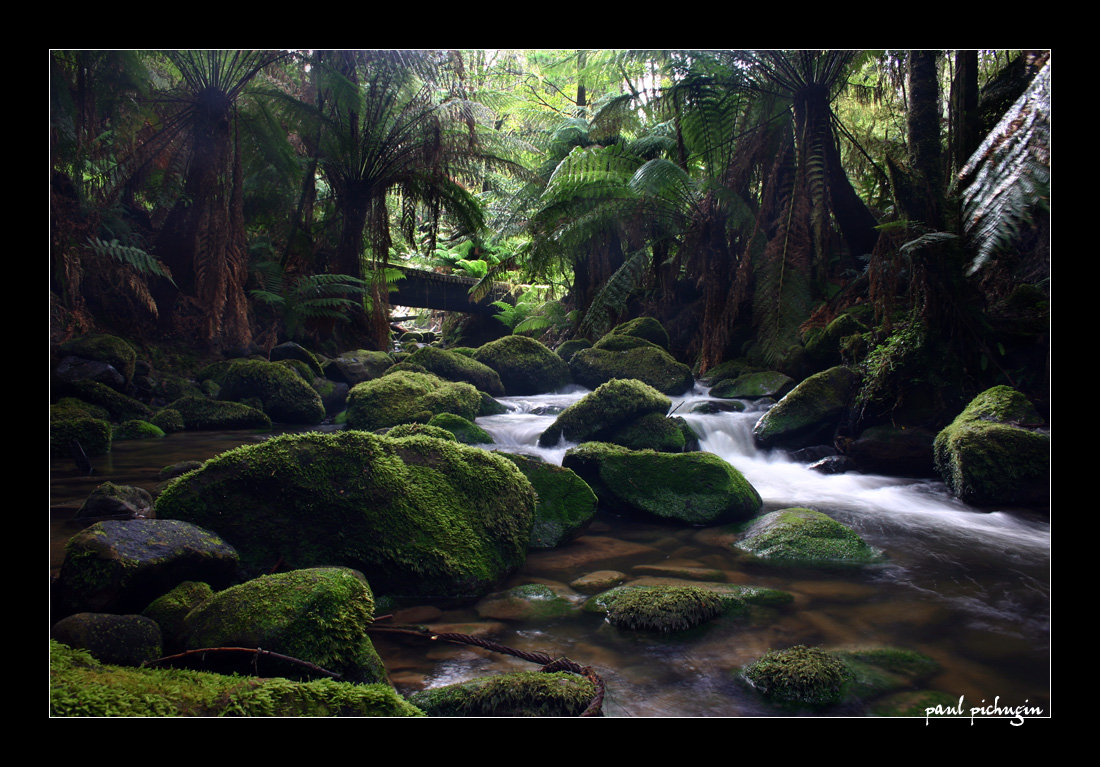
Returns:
point(125, 640)
point(111, 500)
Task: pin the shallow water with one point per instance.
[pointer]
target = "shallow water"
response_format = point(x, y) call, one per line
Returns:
point(968, 588)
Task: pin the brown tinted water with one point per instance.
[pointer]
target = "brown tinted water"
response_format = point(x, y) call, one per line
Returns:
point(967, 588)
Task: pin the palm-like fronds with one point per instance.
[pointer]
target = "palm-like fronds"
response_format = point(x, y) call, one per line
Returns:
point(1009, 174)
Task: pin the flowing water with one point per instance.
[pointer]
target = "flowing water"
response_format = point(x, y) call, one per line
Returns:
point(966, 587)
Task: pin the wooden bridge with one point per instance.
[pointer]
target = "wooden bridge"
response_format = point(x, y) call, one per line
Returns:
point(446, 292)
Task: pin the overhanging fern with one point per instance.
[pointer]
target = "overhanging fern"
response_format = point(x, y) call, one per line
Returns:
point(143, 262)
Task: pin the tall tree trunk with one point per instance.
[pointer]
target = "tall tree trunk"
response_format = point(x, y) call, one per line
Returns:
point(924, 139)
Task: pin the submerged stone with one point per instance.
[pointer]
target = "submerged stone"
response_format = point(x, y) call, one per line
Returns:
point(803, 537)
point(800, 676)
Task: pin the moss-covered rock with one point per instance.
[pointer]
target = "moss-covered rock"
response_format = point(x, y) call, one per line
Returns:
point(526, 693)
point(696, 488)
point(126, 640)
point(117, 566)
point(354, 367)
point(170, 610)
point(644, 327)
point(613, 405)
point(648, 363)
point(419, 516)
point(318, 615)
point(769, 383)
point(524, 365)
point(121, 407)
point(296, 352)
point(810, 413)
point(655, 431)
point(92, 434)
point(407, 397)
point(466, 432)
point(82, 686)
point(994, 453)
point(421, 429)
point(68, 408)
point(529, 602)
point(457, 367)
point(136, 429)
point(201, 414)
point(799, 676)
point(661, 609)
point(286, 397)
point(112, 500)
point(105, 348)
point(169, 420)
point(804, 537)
point(569, 348)
point(879, 670)
point(728, 370)
point(824, 348)
point(565, 506)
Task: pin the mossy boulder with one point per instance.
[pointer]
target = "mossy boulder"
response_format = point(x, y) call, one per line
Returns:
point(407, 397)
point(611, 406)
point(810, 413)
point(170, 610)
point(419, 516)
point(457, 367)
point(125, 640)
point(769, 383)
point(647, 362)
point(297, 352)
point(655, 431)
point(200, 414)
point(995, 453)
point(286, 397)
point(121, 566)
point(529, 602)
point(421, 429)
point(525, 693)
point(317, 615)
point(104, 348)
point(136, 429)
point(694, 488)
point(169, 420)
point(92, 434)
point(354, 367)
point(660, 609)
point(121, 407)
point(644, 327)
point(825, 347)
point(82, 686)
point(112, 500)
point(569, 348)
point(804, 537)
point(466, 432)
point(800, 677)
point(524, 365)
point(565, 506)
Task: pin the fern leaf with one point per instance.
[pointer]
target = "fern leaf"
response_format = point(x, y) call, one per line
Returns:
point(143, 262)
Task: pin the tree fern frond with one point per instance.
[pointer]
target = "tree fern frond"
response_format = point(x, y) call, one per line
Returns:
point(612, 297)
point(143, 262)
point(1010, 172)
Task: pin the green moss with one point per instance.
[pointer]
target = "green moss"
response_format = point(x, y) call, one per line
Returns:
point(137, 429)
point(644, 327)
point(421, 429)
point(524, 365)
point(302, 369)
point(528, 693)
point(406, 397)
point(613, 405)
point(648, 363)
point(93, 434)
point(121, 407)
point(881, 670)
point(529, 602)
point(169, 420)
point(286, 397)
point(754, 386)
point(105, 348)
point(204, 414)
point(803, 536)
point(809, 414)
point(170, 610)
point(661, 609)
point(456, 367)
point(569, 348)
point(566, 504)
point(318, 615)
point(800, 676)
point(420, 516)
point(986, 458)
point(463, 430)
point(81, 686)
point(654, 431)
point(696, 488)
point(68, 408)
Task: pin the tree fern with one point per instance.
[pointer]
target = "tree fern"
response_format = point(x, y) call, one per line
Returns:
point(1009, 174)
point(612, 297)
point(143, 262)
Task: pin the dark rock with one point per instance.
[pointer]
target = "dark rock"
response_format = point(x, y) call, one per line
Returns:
point(125, 640)
point(810, 413)
point(111, 500)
